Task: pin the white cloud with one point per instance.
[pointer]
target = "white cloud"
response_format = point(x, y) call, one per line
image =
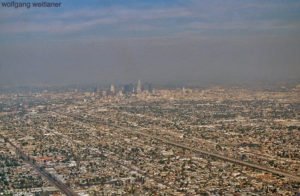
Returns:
point(73, 21)
point(198, 16)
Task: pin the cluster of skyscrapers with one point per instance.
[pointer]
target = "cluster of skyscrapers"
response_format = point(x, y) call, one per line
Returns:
point(128, 89)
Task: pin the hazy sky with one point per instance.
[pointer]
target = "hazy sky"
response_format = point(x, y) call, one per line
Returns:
point(160, 41)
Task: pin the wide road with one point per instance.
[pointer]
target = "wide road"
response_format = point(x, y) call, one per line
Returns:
point(54, 181)
point(196, 150)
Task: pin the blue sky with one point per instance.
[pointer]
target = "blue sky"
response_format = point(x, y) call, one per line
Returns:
point(103, 19)
point(188, 41)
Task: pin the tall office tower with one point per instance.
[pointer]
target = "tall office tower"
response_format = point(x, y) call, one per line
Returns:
point(95, 90)
point(112, 89)
point(139, 87)
point(148, 87)
point(128, 88)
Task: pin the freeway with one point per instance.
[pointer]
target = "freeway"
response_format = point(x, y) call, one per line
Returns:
point(195, 150)
point(115, 160)
point(54, 181)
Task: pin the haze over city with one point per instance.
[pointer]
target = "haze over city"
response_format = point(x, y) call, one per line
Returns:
point(152, 97)
point(165, 42)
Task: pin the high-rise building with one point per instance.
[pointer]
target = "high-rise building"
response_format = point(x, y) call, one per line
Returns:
point(148, 87)
point(128, 88)
point(139, 87)
point(112, 89)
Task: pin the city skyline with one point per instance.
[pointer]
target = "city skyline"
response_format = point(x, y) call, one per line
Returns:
point(151, 97)
point(200, 141)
